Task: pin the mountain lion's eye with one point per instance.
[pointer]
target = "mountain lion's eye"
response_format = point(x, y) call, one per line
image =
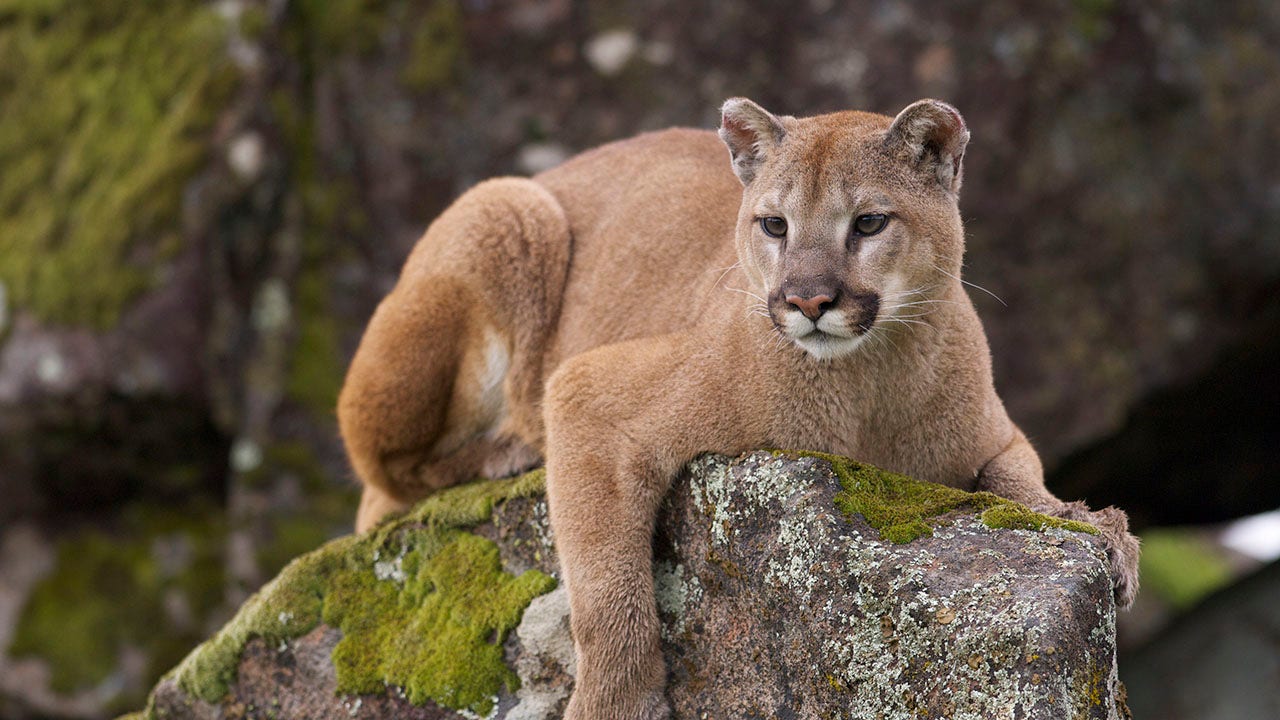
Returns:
point(866, 225)
point(774, 226)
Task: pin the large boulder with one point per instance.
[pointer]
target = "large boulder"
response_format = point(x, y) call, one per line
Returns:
point(789, 586)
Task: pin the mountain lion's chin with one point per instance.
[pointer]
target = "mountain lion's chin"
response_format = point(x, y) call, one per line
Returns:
point(825, 346)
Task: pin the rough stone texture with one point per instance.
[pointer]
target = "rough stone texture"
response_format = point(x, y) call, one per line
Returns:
point(777, 607)
point(774, 605)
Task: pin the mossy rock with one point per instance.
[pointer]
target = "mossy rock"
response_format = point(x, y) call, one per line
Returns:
point(797, 584)
point(777, 590)
point(421, 603)
point(105, 113)
point(900, 507)
point(150, 581)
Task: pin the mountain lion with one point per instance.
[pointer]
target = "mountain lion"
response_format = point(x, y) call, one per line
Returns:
point(648, 301)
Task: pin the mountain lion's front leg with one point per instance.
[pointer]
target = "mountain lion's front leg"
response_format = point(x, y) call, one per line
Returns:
point(602, 513)
point(1016, 474)
point(619, 427)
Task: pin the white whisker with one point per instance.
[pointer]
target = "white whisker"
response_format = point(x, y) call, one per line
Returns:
point(726, 272)
point(913, 291)
point(914, 303)
point(972, 285)
point(907, 322)
point(881, 335)
point(747, 293)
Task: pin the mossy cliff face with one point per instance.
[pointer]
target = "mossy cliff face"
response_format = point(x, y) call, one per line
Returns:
point(775, 603)
point(106, 109)
point(144, 591)
point(421, 605)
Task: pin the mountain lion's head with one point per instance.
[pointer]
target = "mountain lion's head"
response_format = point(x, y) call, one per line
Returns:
point(849, 220)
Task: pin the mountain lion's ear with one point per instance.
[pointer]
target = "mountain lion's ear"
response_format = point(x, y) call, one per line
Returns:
point(932, 136)
point(750, 131)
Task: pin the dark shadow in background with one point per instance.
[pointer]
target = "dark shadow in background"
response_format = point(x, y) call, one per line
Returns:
point(1205, 451)
point(165, 450)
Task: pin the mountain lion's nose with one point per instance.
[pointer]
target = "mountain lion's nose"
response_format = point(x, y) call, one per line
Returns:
point(812, 307)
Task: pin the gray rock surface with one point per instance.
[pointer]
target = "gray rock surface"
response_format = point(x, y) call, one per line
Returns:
point(775, 605)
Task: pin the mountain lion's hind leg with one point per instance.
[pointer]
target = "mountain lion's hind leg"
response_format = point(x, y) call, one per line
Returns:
point(441, 383)
point(1016, 474)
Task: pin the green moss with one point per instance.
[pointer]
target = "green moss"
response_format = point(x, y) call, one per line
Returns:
point(905, 532)
point(284, 608)
point(472, 503)
point(1017, 517)
point(436, 49)
point(459, 597)
point(107, 590)
point(898, 506)
point(421, 604)
point(1181, 566)
point(68, 626)
point(894, 504)
point(105, 114)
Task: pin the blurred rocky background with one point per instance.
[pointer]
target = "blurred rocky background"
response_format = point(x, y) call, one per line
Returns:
point(202, 202)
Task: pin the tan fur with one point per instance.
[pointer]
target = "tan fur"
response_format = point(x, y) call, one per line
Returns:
point(634, 284)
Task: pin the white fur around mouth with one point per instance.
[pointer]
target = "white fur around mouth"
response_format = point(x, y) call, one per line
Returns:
point(824, 339)
point(825, 346)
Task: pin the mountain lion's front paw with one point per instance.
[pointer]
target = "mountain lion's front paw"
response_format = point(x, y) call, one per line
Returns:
point(651, 706)
point(1121, 546)
point(1122, 552)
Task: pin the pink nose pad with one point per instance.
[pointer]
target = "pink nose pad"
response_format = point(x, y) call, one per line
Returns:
point(811, 307)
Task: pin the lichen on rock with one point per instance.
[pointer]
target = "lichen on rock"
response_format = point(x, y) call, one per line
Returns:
point(808, 609)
